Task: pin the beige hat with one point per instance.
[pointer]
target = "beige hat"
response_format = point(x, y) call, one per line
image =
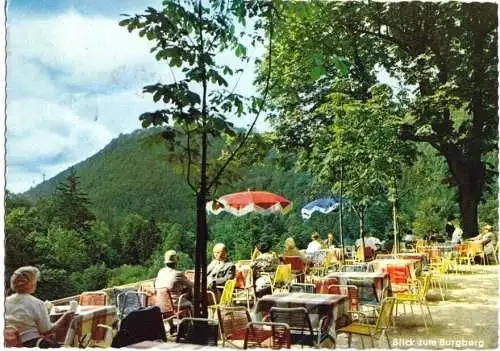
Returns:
point(487, 226)
point(170, 256)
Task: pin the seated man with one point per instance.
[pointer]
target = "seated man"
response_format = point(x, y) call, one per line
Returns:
point(176, 281)
point(488, 239)
point(219, 270)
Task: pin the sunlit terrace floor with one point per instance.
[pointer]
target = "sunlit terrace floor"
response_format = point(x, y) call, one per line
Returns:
point(467, 319)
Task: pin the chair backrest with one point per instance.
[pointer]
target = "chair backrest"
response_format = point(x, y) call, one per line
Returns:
point(297, 318)
point(323, 284)
point(361, 267)
point(164, 300)
point(227, 293)
point(283, 274)
point(94, 298)
point(148, 287)
point(296, 262)
point(302, 288)
point(11, 337)
point(244, 278)
point(140, 325)
point(398, 274)
point(350, 290)
point(366, 289)
point(426, 283)
point(199, 331)
point(233, 321)
point(258, 335)
point(384, 319)
point(129, 301)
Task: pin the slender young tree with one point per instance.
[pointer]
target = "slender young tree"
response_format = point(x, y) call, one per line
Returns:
point(190, 35)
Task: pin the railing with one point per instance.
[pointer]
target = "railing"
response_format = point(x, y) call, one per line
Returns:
point(111, 292)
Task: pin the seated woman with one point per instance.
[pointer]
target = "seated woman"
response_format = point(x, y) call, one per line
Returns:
point(264, 262)
point(29, 314)
point(330, 241)
point(291, 249)
point(316, 243)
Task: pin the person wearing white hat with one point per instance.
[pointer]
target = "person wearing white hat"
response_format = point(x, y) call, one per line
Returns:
point(176, 281)
point(28, 314)
point(488, 239)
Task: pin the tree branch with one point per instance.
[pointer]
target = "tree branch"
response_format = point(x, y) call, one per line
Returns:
point(247, 135)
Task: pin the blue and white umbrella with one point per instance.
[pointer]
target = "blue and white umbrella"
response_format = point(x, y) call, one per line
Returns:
point(323, 205)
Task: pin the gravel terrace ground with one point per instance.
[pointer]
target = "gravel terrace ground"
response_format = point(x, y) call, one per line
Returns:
point(467, 319)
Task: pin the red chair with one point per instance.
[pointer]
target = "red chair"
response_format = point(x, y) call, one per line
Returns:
point(398, 275)
point(169, 308)
point(298, 267)
point(275, 336)
point(148, 288)
point(93, 298)
point(350, 290)
point(323, 284)
point(11, 337)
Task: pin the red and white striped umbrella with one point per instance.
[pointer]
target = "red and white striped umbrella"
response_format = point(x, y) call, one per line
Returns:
point(245, 202)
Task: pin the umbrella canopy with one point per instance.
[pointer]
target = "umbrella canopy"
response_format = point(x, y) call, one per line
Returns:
point(324, 205)
point(245, 202)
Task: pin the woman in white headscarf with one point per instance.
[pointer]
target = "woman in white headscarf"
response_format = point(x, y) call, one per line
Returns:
point(27, 313)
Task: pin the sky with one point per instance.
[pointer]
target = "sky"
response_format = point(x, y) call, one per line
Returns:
point(74, 82)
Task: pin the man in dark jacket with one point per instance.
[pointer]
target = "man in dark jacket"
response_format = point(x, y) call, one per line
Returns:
point(219, 270)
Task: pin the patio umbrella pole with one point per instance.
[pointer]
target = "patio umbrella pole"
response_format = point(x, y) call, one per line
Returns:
point(340, 216)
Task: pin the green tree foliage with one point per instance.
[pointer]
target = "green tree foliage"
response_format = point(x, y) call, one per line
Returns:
point(446, 51)
point(71, 205)
point(189, 35)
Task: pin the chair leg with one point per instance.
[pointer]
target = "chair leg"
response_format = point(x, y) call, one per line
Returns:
point(362, 341)
point(387, 338)
point(429, 310)
point(423, 315)
point(371, 339)
point(349, 340)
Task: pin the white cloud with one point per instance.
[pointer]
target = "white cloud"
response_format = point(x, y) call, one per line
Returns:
point(46, 138)
point(74, 83)
point(80, 49)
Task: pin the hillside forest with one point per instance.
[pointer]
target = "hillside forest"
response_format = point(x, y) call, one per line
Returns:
point(104, 223)
point(406, 158)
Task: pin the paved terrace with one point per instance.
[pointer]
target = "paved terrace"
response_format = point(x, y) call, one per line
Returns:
point(467, 319)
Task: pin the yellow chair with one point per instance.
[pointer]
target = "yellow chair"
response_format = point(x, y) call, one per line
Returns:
point(226, 298)
point(282, 278)
point(417, 297)
point(465, 256)
point(373, 331)
point(438, 277)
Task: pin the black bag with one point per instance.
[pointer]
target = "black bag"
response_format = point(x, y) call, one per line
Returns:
point(140, 325)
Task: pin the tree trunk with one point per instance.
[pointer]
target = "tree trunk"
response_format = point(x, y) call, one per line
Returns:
point(470, 176)
point(468, 198)
point(362, 233)
point(200, 281)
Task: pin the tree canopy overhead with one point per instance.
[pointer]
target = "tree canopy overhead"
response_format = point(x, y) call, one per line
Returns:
point(443, 54)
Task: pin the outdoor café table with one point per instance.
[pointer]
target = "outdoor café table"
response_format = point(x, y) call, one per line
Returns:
point(335, 307)
point(379, 279)
point(407, 256)
point(83, 327)
point(380, 265)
